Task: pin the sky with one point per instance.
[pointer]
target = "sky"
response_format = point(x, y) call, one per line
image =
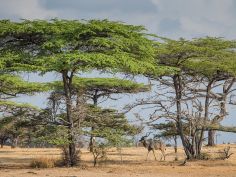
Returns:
point(172, 18)
point(168, 18)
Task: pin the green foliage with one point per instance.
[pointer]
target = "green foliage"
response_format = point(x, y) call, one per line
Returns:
point(102, 85)
point(108, 121)
point(69, 47)
point(79, 45)
point(167, 130)
point(11, 106)
point(11, 126)
point(114, 85)
point(12, 85)
point(204, 56)
point(15, 119)
point(54, 135)
point(110, 127)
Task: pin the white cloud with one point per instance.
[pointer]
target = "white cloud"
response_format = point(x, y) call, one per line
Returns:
point(27, 9)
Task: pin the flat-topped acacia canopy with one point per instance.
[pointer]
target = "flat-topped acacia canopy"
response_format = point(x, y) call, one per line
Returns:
point(207, 56)
point(111, 119)
point(104, 86)
point(11, 85)
point(59, 45)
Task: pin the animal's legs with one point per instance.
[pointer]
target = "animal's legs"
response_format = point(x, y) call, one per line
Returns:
point(163, 154)
point(147, 155)
point(154, 154)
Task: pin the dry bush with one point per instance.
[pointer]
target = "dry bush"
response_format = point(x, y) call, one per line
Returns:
point(205, 156)
point(44, 162)
point(49, 162)
point(225, 154)
point(99, 153)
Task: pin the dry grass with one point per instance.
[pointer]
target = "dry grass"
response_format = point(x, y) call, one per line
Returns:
point(15, 163)
point(45, 162)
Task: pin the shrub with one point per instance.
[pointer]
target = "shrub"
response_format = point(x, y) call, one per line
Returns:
point(225, 154)
point(205, 156)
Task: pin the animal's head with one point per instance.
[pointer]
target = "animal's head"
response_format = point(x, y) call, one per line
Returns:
point(144, 138)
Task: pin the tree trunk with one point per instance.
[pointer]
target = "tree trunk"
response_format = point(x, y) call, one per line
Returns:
point(95, 103)
point(2, 142)
point(206, 115)
point(175, 146)
point(178, 92)
point(211, 137)
point(67, 82)
point(91, 143)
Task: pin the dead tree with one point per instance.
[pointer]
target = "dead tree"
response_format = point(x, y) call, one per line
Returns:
point(227, 153)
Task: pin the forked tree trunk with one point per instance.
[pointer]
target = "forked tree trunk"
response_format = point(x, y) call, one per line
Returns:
point(192, 148)
point(226, 90)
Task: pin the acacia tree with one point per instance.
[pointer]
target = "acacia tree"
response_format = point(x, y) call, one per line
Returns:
point(216, 75)
point(11, 86)
point(14, 118)
point(67, 47)
point(12, 113)
point(200, 57)
point(110, 127)
point(218, 100)
point(98, 90)
point(187, 94)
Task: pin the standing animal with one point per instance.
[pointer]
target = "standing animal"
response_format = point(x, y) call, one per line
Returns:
point(152, 145)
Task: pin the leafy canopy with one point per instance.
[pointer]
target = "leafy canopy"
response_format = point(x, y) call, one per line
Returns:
point(205, 56)
point(102, 85)
point(64, 45)
point(12, 85)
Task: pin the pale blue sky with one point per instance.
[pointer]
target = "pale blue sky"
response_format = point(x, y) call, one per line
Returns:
point(170, 18)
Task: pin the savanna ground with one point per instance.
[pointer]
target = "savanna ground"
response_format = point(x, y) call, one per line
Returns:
point(15, 163)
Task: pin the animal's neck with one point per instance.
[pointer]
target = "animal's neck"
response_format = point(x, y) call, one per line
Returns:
point(145, 144)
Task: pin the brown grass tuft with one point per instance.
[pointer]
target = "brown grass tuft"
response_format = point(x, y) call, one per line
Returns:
point(44, 162)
